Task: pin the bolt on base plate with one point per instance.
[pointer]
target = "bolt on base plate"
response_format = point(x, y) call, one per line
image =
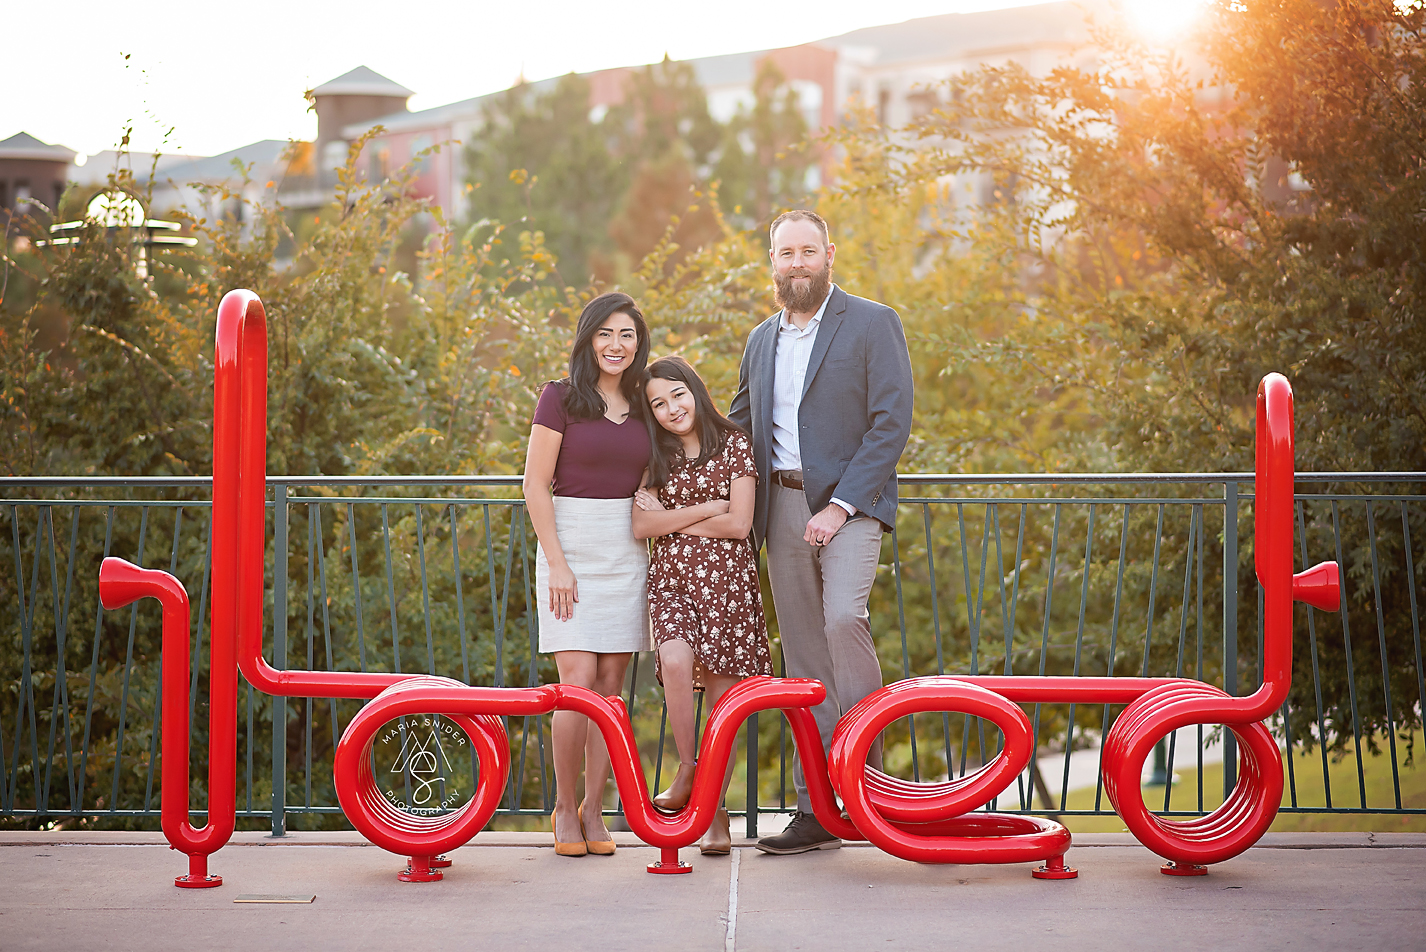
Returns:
point(193, 882)
point(1175, 869)
point(1055, 869)
point(668, 863)
point(419, 871)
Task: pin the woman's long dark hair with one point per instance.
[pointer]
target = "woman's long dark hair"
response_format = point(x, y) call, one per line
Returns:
point(582, 399)
point(713, 427)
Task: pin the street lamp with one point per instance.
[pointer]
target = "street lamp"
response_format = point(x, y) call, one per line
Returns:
point(116, 210)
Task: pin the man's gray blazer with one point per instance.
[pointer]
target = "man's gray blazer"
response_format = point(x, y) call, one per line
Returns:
point(855, 414)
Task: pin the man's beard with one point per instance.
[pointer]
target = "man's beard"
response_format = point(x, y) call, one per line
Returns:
point(806, 300)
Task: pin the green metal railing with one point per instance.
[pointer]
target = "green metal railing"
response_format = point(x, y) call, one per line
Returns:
point(1018, 574)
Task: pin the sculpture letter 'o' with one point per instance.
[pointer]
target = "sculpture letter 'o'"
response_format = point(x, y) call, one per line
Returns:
point(385, 824)
point(1242, 819)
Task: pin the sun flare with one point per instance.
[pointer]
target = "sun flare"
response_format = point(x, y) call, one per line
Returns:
point(1162, 21)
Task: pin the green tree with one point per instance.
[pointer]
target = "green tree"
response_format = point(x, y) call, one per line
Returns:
point(664, 109)
point(765, 156)
point(541, 158)
point(365, 376)
point(1177, 233)
point(668, 139)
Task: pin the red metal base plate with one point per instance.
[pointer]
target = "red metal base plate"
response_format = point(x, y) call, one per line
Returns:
point(409, 875)
point(1063, 872)
point(1174, 869)
point(192, 882)
point(668, 869)
point(440, 862)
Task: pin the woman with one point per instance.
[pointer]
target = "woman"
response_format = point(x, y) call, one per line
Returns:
point(704, 597)
point(590, 443)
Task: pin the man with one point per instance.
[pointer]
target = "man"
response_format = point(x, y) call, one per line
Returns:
point(825, 390)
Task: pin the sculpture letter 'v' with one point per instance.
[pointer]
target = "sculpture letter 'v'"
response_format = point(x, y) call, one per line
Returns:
point(924, 822)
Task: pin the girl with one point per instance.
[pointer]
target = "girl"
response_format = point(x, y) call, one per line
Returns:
point(590, 441)
point(704, 597)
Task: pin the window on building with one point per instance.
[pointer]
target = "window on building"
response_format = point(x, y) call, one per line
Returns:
point(379, 164)
point(998, 189)
point(883, 105)
point(922, 102)
point(334, 155)
point(421, 164)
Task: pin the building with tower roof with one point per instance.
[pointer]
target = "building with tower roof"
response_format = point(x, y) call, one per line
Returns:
point(353, 98)
point(890, 70)
point(274, 170)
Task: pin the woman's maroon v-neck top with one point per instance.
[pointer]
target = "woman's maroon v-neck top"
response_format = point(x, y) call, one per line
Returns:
point(599, 459)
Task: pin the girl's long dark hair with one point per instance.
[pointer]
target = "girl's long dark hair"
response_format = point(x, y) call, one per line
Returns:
point(713, 427)
point(582, 399)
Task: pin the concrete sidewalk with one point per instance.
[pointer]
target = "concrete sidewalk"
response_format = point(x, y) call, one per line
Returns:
point(114, 891)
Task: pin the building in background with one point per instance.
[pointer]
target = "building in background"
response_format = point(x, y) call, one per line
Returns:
point(33, 175)
point(300, 175)
point(355, 97)
point(217, 185)
point(888, 69)
point(351, 99)
point(94, 171)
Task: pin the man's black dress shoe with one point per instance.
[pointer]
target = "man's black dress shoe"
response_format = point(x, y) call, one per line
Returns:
point(802, 835)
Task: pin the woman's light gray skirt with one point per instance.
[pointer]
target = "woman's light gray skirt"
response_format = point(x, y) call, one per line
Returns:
point(611, 572)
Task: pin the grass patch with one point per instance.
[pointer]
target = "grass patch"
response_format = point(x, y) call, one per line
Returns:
point(1311, 791)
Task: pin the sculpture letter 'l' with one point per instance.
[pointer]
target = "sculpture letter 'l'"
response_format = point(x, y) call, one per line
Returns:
point(239, 486)
point(924, 822)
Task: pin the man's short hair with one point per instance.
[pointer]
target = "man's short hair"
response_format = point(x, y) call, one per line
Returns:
point(800, 214)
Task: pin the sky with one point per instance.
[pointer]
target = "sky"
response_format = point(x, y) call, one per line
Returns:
point(202, 78)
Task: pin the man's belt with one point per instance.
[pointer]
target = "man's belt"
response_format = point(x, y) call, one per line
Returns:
point(788, 478)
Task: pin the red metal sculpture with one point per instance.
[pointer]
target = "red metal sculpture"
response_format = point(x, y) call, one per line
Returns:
point(924, 822)
point(120, 583)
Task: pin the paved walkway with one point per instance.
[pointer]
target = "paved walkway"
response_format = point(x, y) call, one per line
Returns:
point(1296, 891)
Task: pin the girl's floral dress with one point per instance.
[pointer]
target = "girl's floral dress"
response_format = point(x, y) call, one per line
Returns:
point(705, 591)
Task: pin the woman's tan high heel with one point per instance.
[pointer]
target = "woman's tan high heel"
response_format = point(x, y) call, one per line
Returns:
point(675, 798)
point(718, 841)
point(597, 847)
point(577, 848)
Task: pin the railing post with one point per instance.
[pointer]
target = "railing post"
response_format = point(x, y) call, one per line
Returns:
point(752, 744)
point(279, 658)
point(1230, 627)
